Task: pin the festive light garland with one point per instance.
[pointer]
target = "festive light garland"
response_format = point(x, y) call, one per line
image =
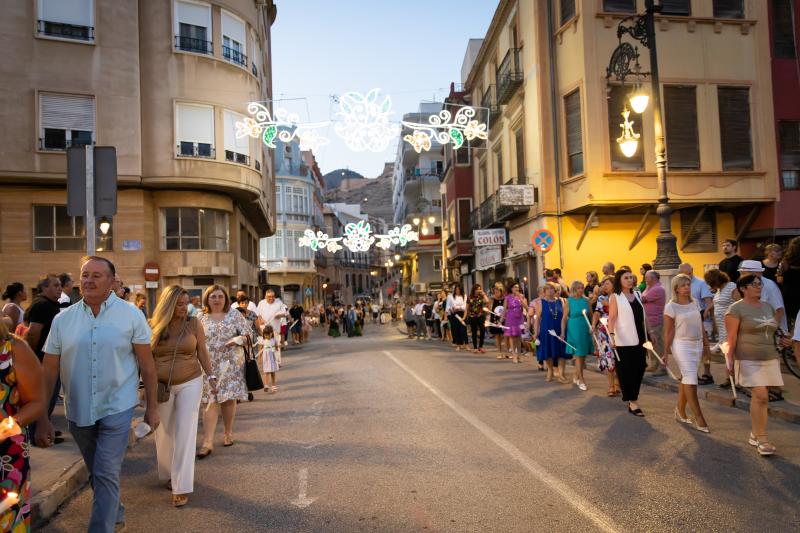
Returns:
point(446, 128)
point(365, 123)
point(358, 237)
point(284, 126)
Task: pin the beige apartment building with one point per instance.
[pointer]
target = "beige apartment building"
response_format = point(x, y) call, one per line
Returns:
point(556, 128)
point(163, 81)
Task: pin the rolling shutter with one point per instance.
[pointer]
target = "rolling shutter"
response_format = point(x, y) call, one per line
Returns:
point(680, 111)
point(194, 14)
point(240, 146)
point(729, 9)
point(783, 30)
point(66, 112)
point(77, 12)
point(734, 128)
point(572, 110)
point(234, 28)
point(195, 123)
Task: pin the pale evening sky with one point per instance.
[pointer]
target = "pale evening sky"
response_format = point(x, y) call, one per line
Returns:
point(411, 50)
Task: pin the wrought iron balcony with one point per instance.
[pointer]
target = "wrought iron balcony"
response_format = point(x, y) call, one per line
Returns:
point(190, 44)
point(234, 56)
point(490, 105)
point(509, 76)
point(66, 31)
point(487, 210)
point(474, 219)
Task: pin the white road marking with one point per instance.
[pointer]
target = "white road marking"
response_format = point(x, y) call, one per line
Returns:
point(303, 500)
point(574, 499)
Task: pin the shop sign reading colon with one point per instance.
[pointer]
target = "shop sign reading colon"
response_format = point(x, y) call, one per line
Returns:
point(489, 237)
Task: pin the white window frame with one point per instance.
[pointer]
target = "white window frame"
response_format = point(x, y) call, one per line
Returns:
point(437, 259)
point(196, 141)
point(176, 24)
point(227, 21)
point(68, 122)
point(68, 6)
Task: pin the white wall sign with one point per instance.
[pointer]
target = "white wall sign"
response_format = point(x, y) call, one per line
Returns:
point(509, 195)
point(489, 237)
point(487, 255)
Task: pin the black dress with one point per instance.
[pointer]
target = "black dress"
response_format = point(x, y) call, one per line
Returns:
point(495, 319)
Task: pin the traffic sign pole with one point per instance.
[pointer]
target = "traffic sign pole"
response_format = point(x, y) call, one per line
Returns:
point(89, 220)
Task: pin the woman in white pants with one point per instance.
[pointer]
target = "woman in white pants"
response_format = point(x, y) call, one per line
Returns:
point(685, 338)
point(179, 349)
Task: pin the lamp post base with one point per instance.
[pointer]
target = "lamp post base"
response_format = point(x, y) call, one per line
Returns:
point(666, 252)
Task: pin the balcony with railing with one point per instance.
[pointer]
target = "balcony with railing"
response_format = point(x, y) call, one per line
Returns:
point(490, 105)
point(191, 44)
point(475, 219)
point(234, 56)
point(509, 76)
point(66, 31)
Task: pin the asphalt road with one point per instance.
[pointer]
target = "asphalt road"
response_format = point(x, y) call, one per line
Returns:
point(381, 433)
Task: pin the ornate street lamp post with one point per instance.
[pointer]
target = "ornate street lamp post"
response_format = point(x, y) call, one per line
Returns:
point(625, 62)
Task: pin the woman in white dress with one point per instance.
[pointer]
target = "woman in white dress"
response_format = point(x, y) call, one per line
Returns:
point(685, 339)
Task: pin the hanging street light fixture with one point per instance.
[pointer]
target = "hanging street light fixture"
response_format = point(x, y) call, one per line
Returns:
point(624, 63)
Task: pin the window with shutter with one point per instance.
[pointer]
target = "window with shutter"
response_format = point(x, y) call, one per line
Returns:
point(195, 130)
point(704, 234)
point(789, 138)
point(519, 148)
point(619, 6)
point(567, 10)
point(676, 7)
point(236, 149)
point(680, 119)
point(66, 19)
point(193, 27)
point(617, 99)
point(233, 39)
point(734, 125)
point(572, 111)
point(783, 43)
point(65, 120)
point(729, 9)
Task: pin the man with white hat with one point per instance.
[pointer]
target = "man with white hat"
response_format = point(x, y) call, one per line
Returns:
point(770, 292)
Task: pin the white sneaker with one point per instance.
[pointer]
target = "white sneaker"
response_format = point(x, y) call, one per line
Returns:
point(582, 385)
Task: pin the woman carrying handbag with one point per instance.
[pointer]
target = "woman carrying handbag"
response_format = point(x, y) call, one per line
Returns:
point(179, 349)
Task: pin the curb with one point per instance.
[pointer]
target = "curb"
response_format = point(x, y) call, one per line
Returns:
point(47, 502)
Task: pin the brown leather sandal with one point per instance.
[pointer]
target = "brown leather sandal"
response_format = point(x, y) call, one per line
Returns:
point(179, 500)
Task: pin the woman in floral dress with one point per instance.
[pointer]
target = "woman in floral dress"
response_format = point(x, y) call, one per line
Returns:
point(606, 360)
point(20, 397)
point(225, 328)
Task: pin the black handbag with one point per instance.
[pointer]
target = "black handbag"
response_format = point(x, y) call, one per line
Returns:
point(252, 375)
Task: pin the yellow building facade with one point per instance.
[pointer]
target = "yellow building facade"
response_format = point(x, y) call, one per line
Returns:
point(600, 206)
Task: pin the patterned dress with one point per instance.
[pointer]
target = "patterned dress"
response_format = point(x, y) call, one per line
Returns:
point(14, 461)
point(606, 360)
point(230, 384)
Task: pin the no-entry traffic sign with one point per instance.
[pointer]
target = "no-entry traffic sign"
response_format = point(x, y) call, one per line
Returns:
point(543, 240)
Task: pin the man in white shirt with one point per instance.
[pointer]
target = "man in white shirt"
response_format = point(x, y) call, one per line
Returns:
point(419, 317)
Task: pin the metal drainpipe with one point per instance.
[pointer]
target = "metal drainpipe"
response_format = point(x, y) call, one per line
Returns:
point(554, 119)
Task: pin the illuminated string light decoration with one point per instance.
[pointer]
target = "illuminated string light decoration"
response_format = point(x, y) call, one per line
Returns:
point(284, 126)
point(365, 124)
point(397, 236)
point(358, 237)
point(319, 240)
point(446, 128)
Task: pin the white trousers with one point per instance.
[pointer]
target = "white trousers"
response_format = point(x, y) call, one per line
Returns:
point(176, 436)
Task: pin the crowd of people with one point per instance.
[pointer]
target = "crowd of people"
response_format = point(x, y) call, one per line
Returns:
point(101, 354)
point(191, 360)
point(633, 324)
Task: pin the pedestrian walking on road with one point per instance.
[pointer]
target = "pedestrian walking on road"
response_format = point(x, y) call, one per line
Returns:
point(724, 295)
point(179, 348)
point(592, 289)
point(14, 295)
point(550, 316)
point(457, 312)
point(626, 324)
point(606, 358)
point(514, 307)
point(751, 356)
point(477, 317)
point(21, 381)
point(269, 365)
point(496, 306)
point(223, 327)
point(686, 340)
point(654, 299)
point(578, 335)
point(333, 324)
point(101, 347)
point(272, 311)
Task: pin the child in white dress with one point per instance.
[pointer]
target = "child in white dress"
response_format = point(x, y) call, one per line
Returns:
point(269, 363)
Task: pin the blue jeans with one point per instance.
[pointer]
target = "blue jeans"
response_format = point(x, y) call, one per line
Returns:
point(103, 446)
